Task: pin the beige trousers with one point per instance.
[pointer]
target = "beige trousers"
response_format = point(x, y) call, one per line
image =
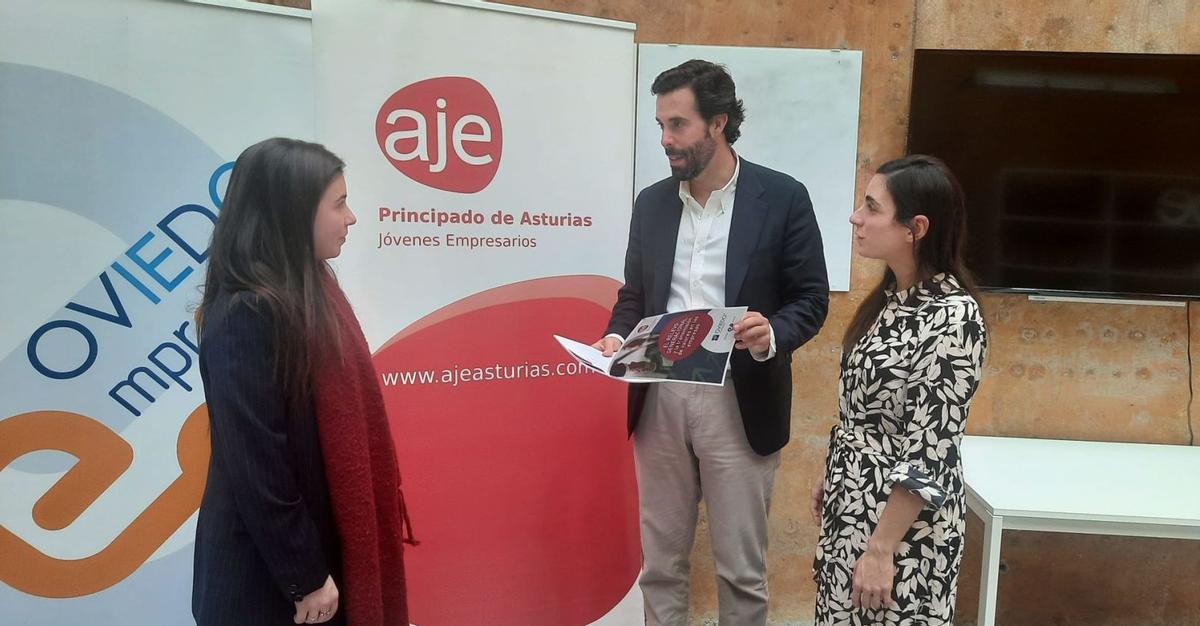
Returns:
point(690, 443)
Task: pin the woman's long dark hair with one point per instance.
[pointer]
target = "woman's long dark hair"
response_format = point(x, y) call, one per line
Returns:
point(921, 185)
point(263, 244)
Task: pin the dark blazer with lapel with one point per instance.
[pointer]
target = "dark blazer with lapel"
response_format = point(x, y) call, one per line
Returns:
point(265, 536)
point(775, 265)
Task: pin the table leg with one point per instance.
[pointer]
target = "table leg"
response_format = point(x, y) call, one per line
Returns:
point(993, 525)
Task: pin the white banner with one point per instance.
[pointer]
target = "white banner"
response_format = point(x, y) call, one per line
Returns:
point(117, 123)
point(489, 154)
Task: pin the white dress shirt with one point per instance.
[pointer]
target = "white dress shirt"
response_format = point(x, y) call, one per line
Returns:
point(698, 275)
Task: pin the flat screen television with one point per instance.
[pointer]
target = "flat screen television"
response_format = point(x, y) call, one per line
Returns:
point(1081, 171)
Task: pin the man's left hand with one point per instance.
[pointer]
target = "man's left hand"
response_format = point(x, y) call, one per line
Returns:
point(753, 332)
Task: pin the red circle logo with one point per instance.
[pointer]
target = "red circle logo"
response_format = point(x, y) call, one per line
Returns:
point(443, 132)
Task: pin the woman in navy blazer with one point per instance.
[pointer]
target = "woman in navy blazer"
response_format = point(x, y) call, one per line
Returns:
point(266, 541)
point(287, 373)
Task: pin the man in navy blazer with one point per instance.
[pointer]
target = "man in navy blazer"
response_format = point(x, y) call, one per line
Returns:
point(721, 231)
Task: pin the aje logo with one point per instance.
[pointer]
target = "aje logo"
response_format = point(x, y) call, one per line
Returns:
point(442, 132)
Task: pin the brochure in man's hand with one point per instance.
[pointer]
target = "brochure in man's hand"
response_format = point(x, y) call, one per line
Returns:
point(686, 346)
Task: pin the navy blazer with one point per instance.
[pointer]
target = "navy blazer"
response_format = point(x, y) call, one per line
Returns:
point(775, 265)
point(265, 536)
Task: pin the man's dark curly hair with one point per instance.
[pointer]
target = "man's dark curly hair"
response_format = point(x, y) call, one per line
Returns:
point(714, 90)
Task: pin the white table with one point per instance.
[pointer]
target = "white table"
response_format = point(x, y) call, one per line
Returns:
point(1049, 485)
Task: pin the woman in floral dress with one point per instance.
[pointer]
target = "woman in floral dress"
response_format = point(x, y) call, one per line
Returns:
point(890, 503)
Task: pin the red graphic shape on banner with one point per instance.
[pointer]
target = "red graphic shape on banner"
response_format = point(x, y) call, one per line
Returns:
point(517, 470)
point(683, 335)
point(444, 133)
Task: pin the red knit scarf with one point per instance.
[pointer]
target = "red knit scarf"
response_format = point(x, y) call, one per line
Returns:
point(363, 478)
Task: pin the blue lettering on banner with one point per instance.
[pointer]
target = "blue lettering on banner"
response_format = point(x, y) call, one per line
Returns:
point(171, 360)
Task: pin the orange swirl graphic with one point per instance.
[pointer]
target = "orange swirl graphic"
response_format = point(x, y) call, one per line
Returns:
point(102, 458)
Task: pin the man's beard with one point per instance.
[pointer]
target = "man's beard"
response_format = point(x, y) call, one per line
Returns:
point(695, 158)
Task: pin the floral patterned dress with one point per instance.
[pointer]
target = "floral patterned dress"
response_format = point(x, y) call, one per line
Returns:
point(904, 393)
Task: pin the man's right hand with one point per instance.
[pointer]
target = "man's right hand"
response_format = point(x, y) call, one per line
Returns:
point(608, 345)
